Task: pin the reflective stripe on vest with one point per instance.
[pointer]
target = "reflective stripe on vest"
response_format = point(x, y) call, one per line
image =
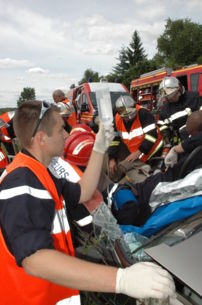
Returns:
point(5, 138)
point(7, 116)
point(132, 134)
point(16, 286)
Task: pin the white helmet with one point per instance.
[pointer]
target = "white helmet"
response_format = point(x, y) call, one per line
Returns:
point(169, 87)
point(65, 109)
point(125, 106)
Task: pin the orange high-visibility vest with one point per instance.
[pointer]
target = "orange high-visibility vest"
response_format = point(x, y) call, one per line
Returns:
point(136, 135)
point(3, 159)
point(71, 120)
point(16, 286)
point(6, 117)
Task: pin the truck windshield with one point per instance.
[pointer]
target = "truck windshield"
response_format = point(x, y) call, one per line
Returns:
point(114, 97)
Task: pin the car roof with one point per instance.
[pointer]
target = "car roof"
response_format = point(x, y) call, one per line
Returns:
point(113, 87)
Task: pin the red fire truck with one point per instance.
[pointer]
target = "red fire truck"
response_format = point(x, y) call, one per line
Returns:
point(144, 90)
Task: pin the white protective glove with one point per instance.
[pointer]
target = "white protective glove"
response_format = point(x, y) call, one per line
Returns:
point(103, 138)
point(145, 280)
point(171, 158)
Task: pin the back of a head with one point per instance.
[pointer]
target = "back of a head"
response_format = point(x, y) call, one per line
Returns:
point(194, 123)
point(58, 96)
point(26, 119)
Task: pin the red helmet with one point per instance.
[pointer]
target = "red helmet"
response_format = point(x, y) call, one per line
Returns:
point(81, 127)
point(78, 146)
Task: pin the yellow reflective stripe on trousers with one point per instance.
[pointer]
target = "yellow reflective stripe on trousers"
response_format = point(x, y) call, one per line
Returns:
point(115, 143)
point(150, 138)
point(156, 149)
point(163, 127)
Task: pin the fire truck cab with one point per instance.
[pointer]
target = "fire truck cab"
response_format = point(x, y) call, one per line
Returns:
point(144, 90)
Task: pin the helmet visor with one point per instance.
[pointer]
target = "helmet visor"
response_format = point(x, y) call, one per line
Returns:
point(168, 88)
point(126, 112)
point(65, 109)
point(125, 106)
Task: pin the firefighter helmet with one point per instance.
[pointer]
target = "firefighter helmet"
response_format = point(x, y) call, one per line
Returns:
point(81, 127)
point(65, 109)
point(125, 106)
point(169, 88)
point(78, 146)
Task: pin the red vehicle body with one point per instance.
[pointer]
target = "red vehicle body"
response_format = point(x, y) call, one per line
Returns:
point(83, 98)
point(144, 90)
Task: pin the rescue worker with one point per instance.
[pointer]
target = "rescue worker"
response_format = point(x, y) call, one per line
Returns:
point(7, 132)
point(194, 129)
point(59, 97)
point(136, 129)
point(178, 105)
point(78, 148)
point(37, 260)
point(77, 151)
point(3, 156)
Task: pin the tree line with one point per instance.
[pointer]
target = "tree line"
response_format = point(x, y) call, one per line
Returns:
point(179, 45)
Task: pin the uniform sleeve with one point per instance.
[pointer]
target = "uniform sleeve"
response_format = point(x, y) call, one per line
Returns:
point(71, 192)
point(26, 214)
point(164, 125)
point(76, 212)
point(11, 130)
point(149, 127)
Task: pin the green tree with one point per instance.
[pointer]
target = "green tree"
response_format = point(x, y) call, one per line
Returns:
point(135, 51)
point(90, 75)
point(131, 61)
point(181, 43)
point(135, 71)
point(27, 94)
point(123, 64)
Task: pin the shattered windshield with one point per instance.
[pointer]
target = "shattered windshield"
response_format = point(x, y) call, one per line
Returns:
point(114, 97)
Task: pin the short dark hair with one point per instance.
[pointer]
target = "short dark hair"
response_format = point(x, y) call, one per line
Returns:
point(26, 118)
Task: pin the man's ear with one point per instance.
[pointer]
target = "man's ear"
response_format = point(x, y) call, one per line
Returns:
point(41, 137)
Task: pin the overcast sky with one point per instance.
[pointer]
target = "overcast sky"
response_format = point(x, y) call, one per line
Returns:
point(48, 44)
